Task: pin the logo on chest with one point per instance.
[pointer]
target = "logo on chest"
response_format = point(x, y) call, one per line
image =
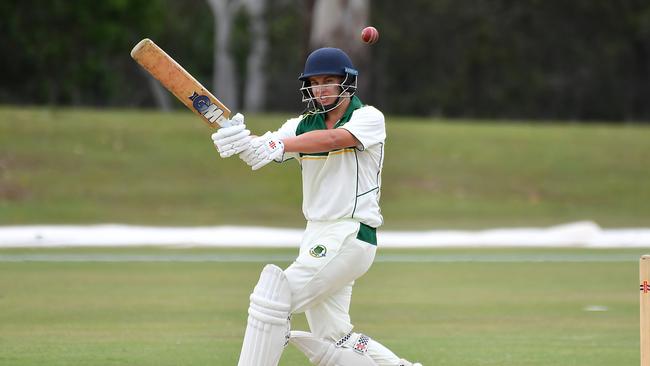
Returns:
point(318, 251)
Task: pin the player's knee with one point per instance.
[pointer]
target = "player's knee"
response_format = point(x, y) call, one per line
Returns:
point(267, 332)
point(270, 301)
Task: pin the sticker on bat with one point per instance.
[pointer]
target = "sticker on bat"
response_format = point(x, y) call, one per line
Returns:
point(204, 106)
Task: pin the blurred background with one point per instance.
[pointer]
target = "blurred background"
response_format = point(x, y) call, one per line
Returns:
point(578, 60)
point(499, 113)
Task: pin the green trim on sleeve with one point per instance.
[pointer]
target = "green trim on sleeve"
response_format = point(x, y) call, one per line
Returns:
point(367, 234)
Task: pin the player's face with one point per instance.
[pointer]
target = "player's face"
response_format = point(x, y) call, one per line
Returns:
point(326, 88)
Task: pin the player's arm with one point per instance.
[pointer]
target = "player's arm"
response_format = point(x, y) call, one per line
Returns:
point(320, 141)
point(270, 146)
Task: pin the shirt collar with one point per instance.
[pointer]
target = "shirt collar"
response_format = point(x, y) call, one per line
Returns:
point(355, 103)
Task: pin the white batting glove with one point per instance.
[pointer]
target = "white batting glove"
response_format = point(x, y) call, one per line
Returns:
point(263, 150)
point(248, 155)
point(233, 139)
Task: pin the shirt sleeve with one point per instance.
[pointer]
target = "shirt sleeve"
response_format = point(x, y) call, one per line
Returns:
point(368, 126)
point(288, 129)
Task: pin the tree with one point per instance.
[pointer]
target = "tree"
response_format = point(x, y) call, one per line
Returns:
point(67, 52)
point(255, 91)
point(224, 76)
point(339, 24)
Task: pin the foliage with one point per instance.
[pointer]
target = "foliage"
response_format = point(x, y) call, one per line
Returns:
point(572, 60)
point(71, 52)
point(529, 58)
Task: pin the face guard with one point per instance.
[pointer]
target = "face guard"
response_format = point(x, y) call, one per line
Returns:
point(314, 105)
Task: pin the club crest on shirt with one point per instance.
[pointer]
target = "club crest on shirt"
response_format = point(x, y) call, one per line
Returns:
point(318, 251)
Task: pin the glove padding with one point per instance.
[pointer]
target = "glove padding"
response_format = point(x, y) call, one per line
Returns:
point(233, 139)
point(263, 150)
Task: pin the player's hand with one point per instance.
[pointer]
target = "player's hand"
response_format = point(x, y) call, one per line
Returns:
point(233, 139)
point(263, 150)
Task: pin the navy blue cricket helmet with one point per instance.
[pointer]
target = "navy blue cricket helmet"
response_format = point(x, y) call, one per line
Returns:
point(328, 61)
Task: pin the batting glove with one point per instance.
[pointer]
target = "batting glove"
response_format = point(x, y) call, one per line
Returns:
point(248, 156)
point(263, 150)
point(233, 139)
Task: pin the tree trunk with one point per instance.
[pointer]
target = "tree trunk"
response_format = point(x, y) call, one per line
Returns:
point(255, 93)
point(338, 23)
point(160, 94)
point(224, 84)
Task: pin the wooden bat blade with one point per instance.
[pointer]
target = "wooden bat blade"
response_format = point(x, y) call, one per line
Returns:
point(180, 83)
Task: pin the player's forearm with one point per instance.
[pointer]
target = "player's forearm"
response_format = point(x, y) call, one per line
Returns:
point(319, 141)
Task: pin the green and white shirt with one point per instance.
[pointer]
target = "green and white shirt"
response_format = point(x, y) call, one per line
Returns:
point(343, 183)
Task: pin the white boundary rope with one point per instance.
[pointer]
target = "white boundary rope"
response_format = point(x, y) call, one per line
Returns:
point(578, 234)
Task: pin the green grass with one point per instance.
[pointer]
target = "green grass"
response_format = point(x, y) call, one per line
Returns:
point(491, 307)
point(453, 307)
point(88, 166)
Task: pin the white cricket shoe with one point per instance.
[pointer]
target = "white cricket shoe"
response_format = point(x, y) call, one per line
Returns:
point(404, 362)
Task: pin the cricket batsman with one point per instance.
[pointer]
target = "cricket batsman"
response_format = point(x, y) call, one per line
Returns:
point(339, 144)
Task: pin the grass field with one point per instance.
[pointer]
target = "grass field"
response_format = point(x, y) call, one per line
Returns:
point(454, 307)
point(155, 306)
point(88, 166)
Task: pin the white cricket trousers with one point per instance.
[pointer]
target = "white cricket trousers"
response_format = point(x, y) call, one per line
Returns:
point(331, 258)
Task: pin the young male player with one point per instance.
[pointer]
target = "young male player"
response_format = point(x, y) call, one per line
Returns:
point(339, 144)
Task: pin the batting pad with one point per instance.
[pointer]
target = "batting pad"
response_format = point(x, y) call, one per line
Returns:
point(322, 352)
point(267, 331)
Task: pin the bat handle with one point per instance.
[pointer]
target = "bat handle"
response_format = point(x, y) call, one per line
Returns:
point(228, 122)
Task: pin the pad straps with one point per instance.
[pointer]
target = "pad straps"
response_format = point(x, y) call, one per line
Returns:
point(356, 341)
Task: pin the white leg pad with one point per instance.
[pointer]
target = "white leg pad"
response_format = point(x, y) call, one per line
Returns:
point(267, 331)
point(322, 352)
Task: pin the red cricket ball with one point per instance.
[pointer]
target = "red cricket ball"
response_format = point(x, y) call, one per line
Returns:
point(369, 35)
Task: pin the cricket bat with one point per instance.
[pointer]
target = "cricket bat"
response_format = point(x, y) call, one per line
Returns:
point(180, 83)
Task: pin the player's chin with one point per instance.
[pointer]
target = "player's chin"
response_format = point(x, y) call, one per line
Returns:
point(324, 102)
point(319, 105)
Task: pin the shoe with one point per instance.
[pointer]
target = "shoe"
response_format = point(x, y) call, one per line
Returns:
point(404, 362)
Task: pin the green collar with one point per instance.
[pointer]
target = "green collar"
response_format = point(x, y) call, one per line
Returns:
point(355, 103)
point(312, 122)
